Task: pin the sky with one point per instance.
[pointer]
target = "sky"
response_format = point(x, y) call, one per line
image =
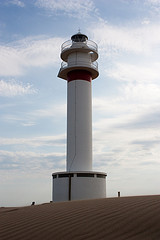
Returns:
point(126, 95)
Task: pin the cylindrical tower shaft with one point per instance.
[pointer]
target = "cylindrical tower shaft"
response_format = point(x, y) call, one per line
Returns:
point(79, 67)
point(79, 121)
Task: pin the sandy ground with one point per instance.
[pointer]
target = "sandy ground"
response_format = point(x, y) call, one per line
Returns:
point(111, 218)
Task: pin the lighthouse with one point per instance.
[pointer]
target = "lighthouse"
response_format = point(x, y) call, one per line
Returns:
point(79, 67)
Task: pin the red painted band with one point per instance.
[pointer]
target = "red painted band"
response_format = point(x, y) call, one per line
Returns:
point(79, 75)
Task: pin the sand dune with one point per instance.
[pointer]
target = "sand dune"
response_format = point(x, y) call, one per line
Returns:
point(134, 218)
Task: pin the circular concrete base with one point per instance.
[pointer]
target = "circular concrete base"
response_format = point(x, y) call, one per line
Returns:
point(78, 185)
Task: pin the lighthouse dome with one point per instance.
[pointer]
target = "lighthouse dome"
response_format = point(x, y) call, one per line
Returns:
point(79, 37)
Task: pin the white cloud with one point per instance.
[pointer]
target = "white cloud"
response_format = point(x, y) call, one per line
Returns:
point(17, 3)
point(114, 39)
point(56, 140)
point(13, 88)
point(29, 52)
point(135, 72)
point(30, 155)
point(28, 124)
point(132, 99)
point(50, 111)
point(31, 161)
point(30, 118)
point(126, 127)
point(154, 7)
point(10, 61)
point(142, 94)
point(145, 21)
point(123, 146)
point(153, 2)
point(75, 8)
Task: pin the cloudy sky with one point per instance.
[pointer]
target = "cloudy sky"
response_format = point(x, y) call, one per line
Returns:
point(126, 95)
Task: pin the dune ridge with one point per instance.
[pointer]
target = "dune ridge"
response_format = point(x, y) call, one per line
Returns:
point(134, 218)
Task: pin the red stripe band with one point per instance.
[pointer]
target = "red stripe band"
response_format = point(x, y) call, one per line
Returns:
point(79, 75)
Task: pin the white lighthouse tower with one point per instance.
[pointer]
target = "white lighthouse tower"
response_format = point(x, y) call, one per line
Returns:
point(79, 68)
